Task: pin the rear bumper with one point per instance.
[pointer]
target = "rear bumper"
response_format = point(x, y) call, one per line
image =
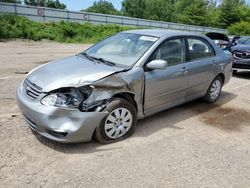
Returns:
point(58, 124)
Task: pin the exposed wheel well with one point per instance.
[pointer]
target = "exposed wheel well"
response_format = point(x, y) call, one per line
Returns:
point(222, 77)
point(127, 96)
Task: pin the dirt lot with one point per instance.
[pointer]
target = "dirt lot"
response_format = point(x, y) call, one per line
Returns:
point(193, 145)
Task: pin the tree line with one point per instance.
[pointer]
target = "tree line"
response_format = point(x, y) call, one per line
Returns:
point(214, 13)
point(233, 15)
point(227, 14)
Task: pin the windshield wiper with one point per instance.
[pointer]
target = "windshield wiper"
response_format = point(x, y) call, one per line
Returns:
point(88, 56)
point(104, 61)
point(98, 60)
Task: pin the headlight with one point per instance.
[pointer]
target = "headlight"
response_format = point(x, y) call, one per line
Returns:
point(67, 97)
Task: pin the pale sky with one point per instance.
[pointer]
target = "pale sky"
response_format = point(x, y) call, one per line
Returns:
point(77, 5)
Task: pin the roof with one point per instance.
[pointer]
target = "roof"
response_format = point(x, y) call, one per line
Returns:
point(161, 32)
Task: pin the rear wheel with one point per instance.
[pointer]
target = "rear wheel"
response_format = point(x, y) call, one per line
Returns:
point(118, 124)
point(214, 90)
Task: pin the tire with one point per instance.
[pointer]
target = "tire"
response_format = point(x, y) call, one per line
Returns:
point(214, 90)
point(118, 124)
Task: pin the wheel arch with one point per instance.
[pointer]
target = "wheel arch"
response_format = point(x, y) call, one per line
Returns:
point(127, 96)
point(222, 76)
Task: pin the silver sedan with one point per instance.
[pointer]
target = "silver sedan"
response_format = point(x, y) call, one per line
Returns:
point(102, 91)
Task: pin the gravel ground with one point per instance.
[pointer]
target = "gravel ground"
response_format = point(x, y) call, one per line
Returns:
point(193, 145)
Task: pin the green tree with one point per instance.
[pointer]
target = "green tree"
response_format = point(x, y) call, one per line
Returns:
point(244, 12)
point(55, 4)
point(134, 8)
point(228, 13)
point(194, 13)
point(11, 1)
point(159, 10)
point(41, 3)
point(212, 13)
point(46, 3)
point(103, 7)
point(240, 28)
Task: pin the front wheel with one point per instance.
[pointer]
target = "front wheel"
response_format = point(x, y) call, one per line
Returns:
point(119, 122)
point(214, 90)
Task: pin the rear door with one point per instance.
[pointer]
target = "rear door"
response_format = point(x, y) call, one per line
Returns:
point(201, 62)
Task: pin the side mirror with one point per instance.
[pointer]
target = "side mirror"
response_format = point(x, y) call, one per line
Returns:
point(157, 64)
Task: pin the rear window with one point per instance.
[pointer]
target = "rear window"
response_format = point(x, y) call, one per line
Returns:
point(198, 49)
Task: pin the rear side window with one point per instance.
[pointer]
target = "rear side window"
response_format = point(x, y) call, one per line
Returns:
point(199, 49)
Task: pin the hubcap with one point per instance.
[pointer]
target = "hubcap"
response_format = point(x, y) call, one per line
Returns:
point(118, 123)
point(215, 89)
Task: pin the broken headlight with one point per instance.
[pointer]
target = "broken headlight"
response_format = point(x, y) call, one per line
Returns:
point(67, 97)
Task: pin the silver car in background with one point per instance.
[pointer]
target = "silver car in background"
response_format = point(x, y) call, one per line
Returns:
point(102, 91)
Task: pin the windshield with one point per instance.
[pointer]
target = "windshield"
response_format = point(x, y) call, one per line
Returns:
point(124, 49)
point(242, 40)
point(247, 42)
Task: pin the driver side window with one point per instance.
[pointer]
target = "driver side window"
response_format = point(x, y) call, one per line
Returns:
point(172, 51)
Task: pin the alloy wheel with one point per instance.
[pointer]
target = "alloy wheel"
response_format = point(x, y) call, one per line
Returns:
point(215, 89)
point(118, 123)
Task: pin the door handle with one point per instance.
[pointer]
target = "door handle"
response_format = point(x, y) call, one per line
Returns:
point(184, 70)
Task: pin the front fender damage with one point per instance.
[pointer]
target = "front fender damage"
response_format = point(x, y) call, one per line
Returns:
point(130, 83)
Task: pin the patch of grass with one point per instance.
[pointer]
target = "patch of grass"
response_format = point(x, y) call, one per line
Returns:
point(13, 27)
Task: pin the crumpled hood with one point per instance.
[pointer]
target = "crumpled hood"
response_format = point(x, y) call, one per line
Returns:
point(72, 71)
point(241, 47)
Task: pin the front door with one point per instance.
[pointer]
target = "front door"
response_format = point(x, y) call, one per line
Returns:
point(165, 88)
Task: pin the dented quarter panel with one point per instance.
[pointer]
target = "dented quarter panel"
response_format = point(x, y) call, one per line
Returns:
point(131, 81)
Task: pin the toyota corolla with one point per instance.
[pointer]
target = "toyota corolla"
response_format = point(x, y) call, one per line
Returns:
point(103, 91)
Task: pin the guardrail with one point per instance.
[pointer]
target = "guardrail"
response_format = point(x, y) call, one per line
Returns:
point(42, 14)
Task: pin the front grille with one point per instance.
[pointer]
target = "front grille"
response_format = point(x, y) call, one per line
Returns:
point(242, 55)
point(32, 90)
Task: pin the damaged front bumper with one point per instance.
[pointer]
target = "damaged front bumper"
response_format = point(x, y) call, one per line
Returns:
point(58, 124)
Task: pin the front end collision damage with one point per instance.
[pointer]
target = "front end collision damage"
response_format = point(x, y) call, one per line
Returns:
point(127, 84)
point(59, 124)
point(68, 125)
